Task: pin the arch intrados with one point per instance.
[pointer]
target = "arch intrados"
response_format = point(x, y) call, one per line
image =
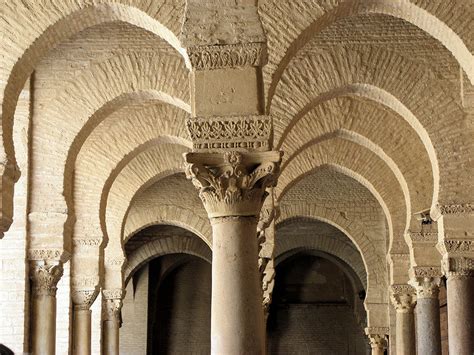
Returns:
point(68, 26)
point(389, 101)
point(367, 144)
point(402, 9)
point(354, 278)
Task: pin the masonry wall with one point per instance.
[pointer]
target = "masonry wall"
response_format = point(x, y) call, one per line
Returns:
point(133, 333)
point(14, 291)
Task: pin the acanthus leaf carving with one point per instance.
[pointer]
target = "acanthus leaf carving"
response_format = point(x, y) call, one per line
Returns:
point(233, 183)
point(426, 286)
point(45, 276)
point(84, 298)
point(458, 267)
point(403, 297)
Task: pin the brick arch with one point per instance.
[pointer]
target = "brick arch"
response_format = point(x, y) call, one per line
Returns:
point(286, 246)
point(362, 165)
point(69, 122)
point(434, 104)
point(137, 133)
point(51, 24)
point(164, 246)
point(374, 262)
point(143, 216)
point(404, 10)
point(425, 159)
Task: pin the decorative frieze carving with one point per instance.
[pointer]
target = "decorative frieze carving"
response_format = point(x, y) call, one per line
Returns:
point(403, 298)
point(48, 254)
point(233, 183)
point(215, 134)
point(424, 237)
point(227, 56)
point(86, 242)
point(426, 287)
point(83, 298)
point(452, 246)
point(458, 268)
point(427, 271)
point(45, 276)
point(115, 261)
point(85, 282)
point(457, 209)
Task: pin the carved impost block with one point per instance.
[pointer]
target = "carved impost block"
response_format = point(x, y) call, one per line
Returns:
point(458, 267)
point(403, 298)
point(84, 298)
point(113, 301)
point(233, 183)
point(377, 337)
point(227, 56)
point(45, 275)
point(49, 254)
point(426, 286)
point(219, 134)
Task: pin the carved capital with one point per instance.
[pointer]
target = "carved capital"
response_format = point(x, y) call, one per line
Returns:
point(377, 337)
point(426, 287)
point(227, 56)
point(232, 183)
point(218, 134)
point(113, 301)
point(403, 298)
point(458, 268)
point(45, 275)
point(84, 298)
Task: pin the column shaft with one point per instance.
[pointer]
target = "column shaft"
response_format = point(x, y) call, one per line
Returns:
point(82, 332)
point(43, 333)
point(405, 331)
point(460, 295)
point(428, 326)
point(237, 325)
point(111, 337)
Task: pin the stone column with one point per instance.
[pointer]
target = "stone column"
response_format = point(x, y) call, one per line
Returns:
point(427, 315)
point(377, 339)
point(112, 307)
point(82, 301)
point(232, 187)
point(460, 296)
point(404, 300)
point(45, 275)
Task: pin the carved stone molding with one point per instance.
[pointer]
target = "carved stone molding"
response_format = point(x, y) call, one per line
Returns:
point(227, 56)
point(45, 276)
point(233, 183)
point(87, 242)
point(118, 261)
point(426, 287)
point(427, 271)
point(84, 298)
point(216, 134)
point(85, 282)
point(52, 254)
point(113, 293)
point(457, 209)
point(424, 237)
point(377, 337)
point(452, 246)
point(403, 298)
point(458, 268)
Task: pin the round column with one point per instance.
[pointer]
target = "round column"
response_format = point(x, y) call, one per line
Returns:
point(232, 187)
point(427, 316)
point(111, 320)
point(237, 325)
point(403, 299)
point(45, 276)
point(460, 298)
point(378, 341)
point(82, 301)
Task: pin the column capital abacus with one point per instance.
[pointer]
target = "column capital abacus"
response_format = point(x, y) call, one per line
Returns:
point(45, 275)
point(233, 183)
point(403, 298)
point(426, 286)
point(377, 337)
point(83, 299)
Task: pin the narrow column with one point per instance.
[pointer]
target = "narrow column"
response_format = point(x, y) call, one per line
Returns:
point(460, 296)
point(377, 340)
point(111, 320)
point(403, 299)
point(82, 301)
point(232, 187)
point(45, 275)
point(428, 338)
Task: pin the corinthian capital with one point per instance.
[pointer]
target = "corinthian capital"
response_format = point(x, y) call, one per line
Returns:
point(403, 298)
point(233, 183)
point(113, 301)
point(426, 287)
point(45, 276)
point(377, 337)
